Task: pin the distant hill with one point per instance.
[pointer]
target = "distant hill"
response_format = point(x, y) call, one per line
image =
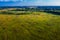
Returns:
point(40, 7)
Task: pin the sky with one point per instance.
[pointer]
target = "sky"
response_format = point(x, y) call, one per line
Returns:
point(29, 2)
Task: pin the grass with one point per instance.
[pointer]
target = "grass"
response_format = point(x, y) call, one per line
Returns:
point(36, 26)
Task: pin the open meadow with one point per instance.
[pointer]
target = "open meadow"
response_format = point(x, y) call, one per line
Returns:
point(34, 26)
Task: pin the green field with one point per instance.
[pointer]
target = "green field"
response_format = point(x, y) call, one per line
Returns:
point(35, 26)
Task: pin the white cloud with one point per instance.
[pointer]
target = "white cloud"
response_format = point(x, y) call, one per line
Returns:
point(48, 2)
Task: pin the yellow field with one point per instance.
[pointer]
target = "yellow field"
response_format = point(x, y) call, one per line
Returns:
point(30, 27)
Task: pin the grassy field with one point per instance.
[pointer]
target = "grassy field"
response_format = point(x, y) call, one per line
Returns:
point(36, 26)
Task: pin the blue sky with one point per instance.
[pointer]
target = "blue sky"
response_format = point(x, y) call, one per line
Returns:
point(29, 2)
